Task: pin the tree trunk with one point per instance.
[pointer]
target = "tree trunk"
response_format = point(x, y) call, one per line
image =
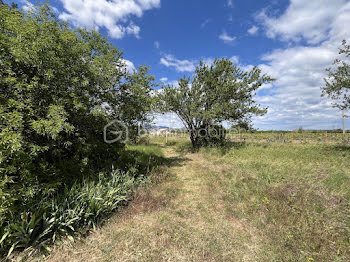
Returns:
point(344, 131)
point(194, 138)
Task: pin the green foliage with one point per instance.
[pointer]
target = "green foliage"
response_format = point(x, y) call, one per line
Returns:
point(59, 88)
point(212, 135)
point(300, 129)
point(338, 81)
point(143, 158)
point(42, 218)
point(136, 100)
point(219, 92)
point(63, 214)
point(53, 83)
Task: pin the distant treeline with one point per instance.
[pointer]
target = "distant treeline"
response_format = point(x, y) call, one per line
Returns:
point(334, 131)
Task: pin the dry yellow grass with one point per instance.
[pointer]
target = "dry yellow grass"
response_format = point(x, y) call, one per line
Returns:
point(241, 203)
point(180, 218)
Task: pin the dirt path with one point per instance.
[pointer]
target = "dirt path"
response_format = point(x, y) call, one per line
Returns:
point(180, 218)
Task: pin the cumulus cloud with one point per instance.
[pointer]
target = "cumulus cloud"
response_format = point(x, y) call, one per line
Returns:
point(295, 98)
point(114, 15)
point(169, 120)
point(303, 20)
point(226, 38)
point(130, 68)
point(253, 30)
point(177, 64)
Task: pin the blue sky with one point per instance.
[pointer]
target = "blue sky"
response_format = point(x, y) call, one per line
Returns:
point(292, 40)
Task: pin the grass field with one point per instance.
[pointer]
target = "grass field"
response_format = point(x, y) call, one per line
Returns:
point(242, 202)
point(285, 137)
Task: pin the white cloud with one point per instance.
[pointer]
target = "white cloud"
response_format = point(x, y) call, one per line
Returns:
point(230, 3)
point(308, 20)
point(173, 83)
point(170, 120)
point(190, 65)
point(295, 98)
point(179, 65)
point(204, 24)
point(157, 44)
point(130, 68)
point(208, 61)
point(55, 10)
point(246, 68)
point(114, 15)
point(164, 79)
point(226, 38)
point(234, 59)
point(253, 30)
point(27, 6)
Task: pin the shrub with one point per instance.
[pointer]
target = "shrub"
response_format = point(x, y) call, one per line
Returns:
point(53, 84)
point(213, 135)
point(59, 88)
point(39, 223)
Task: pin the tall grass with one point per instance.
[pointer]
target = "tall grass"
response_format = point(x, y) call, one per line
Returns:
point(40, 220)
point(297, 196)
point(63, 214)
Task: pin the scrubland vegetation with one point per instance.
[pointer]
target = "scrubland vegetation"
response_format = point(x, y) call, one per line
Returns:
point(296, 196)
point(201, 198)
point(59, 88)
point(240, 202)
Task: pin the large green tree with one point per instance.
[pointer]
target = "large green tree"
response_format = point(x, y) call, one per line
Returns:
point(218, 92)
point(338, 81)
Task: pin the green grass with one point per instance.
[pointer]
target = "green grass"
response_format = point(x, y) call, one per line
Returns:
point(297, 196)
point(242, 202)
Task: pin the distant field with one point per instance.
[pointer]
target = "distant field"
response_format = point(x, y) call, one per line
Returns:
point(243, 202)
point(292, 137)
point(279, 137)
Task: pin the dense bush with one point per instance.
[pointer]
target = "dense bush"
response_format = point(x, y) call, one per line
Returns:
point(41, 219)
point(213, 135)
point(53, 82)
point(59, 88)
